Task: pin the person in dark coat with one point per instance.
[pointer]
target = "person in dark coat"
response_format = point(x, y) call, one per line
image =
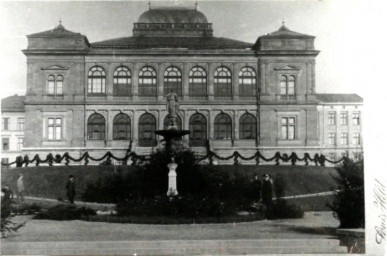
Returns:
point(267, 193)
point(70, 188)
point(256, 187)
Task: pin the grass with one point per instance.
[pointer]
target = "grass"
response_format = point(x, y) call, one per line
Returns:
point(48, 230)
point(49, 182)
point(298, 180)
point(316, 203)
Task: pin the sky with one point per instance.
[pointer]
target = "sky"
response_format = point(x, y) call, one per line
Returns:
point(340, 27)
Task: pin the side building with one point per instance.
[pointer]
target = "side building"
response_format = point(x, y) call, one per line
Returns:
point(95, 97)
point(12, 127)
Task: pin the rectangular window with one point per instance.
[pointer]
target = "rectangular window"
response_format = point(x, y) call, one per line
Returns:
point(20, 123)
point(332, 118)
point(344, 118)
point(4, 160)
point(288, 128)
point(356, 139)
point(5, 124)
point(332, 138)
point(20, 143)
point(54, 129)
point(5, 144)
point(356, 118)
point(344, 139)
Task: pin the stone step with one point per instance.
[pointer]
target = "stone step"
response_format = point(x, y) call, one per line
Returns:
point(180, 247)
point(182, 251)
point(173, 243)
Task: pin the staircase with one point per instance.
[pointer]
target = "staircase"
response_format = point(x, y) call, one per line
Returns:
point(176, 247)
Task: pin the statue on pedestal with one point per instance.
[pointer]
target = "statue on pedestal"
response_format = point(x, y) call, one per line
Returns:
point(173, 109)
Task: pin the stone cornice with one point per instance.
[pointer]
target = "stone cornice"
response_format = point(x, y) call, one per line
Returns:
point(55, 51)
point(287, 52)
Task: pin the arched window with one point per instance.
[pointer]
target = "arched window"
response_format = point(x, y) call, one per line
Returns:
point(146, 130)
point(178, 122)
point(96, 127)
point(172, 81)
point(55, 85)
point(247, 127)
point(222, 82)
point(198, 129)
point(197, 82)
point(121, 127)
point(247, 82)
point(223, 127)
point(96, 81)
point(147, 82)
point(287, 85)
point(122, 81)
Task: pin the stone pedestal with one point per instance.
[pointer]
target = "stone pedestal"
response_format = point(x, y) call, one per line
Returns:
point(172, 187)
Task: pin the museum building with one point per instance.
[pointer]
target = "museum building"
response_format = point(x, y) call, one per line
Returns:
point(95, 97)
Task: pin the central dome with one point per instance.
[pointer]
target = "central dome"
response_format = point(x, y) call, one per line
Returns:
point(172, 15)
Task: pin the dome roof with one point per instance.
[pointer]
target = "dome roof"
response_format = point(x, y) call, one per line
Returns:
point(172, 15)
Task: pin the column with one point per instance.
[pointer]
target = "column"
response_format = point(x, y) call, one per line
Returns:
point(160, 80)
point(136, 116)
point(236, 128)
point(109, 80)
point(135, 81)
point(185, 81)
point(235, 81)
point(109, 120)
point(210, 76)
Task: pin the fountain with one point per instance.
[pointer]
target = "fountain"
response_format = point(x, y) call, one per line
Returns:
point(172, 134)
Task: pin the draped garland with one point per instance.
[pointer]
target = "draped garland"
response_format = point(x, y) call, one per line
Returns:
point(210, 156)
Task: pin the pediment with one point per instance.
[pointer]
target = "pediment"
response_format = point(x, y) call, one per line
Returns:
point(288, 67)
point(55, 67)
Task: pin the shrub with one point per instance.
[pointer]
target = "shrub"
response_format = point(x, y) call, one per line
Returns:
point(179, 206)
point(26, 208)
point(65, 212)
point(348, 205)
point(282, 210)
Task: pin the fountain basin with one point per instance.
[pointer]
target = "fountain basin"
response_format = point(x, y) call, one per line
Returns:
point(172, 134)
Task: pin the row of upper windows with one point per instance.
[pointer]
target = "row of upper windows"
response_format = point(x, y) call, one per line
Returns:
point(122, 81)
point(344, 139)
point(343, 118)
point(5, 124)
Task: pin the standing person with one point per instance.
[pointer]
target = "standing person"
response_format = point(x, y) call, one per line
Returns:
point(256, 187)
point(267, 194)
point(20, 188)
point(70, 188)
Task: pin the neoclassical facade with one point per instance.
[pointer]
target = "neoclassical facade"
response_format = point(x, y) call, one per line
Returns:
point(95, 97)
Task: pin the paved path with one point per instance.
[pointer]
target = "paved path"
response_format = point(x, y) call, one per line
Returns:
point(313, 225)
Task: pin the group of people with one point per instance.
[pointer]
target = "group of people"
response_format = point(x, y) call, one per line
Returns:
point(7, 195)
point(264, 190)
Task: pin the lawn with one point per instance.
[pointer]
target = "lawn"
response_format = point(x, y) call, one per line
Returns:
point(49, 182)
point(313, 225)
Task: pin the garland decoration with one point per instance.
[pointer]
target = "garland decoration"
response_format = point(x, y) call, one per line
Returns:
point(209, 157)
